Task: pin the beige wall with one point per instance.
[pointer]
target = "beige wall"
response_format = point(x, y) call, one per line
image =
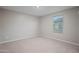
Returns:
point(1, 34)
point(17, 26)
point(70, 26)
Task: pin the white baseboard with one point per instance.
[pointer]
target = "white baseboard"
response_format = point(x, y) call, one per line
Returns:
point(73, 43)
point(69, 42)
point(8, 41)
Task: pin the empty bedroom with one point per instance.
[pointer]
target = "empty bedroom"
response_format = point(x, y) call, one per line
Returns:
point(39, 29)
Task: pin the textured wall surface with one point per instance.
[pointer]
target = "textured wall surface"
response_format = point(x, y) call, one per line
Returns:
point(14, 26)
point(18, 26)
point(70, 32)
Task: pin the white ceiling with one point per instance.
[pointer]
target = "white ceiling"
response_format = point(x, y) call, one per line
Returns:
point(41, 11)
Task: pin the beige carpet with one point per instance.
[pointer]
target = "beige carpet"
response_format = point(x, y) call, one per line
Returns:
point(41, 45)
